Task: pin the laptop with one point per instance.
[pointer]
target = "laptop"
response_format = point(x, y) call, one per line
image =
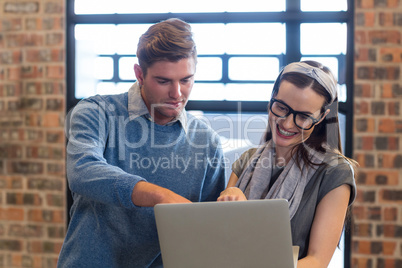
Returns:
point(254, 233)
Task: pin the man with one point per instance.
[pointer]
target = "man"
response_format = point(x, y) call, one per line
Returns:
point(131, 151)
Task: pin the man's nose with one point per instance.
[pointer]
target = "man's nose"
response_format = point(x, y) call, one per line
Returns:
point(175, 91)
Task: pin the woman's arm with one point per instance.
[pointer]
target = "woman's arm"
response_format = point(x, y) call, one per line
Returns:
point(327, 228)
point(232, 193)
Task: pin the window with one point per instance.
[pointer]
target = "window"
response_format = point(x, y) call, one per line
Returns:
point(241, 49)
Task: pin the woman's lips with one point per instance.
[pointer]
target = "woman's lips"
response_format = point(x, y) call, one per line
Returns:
point(283, 133)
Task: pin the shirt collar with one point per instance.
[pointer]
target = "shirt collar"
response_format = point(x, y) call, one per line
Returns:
point(137, 107)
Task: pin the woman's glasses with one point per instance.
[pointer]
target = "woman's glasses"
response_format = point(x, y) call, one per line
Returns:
point(282, 110)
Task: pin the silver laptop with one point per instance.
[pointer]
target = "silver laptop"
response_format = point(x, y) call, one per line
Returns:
point(253, 233)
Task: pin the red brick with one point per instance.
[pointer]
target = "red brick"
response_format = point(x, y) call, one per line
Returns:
point(387, 125)
point(369, 19)
point(386, 19)
point(384, 37)
point(368, 143)
point(393, 3)
point(366, 3)
point(51, 120)
point(362, 230)
point(11, 214)
point(388, 160)
point(13, 73)
point(11, 182)
point(381, 177)
point(28, 72)
point(386, 90)
point(361, 262)
point(391, 54)
point(360, 37)
point(389, 248)
point(363, 247)
point(394, 108)
point(55, 72)
point(392, 196)
point(361, 107)
point(390, 214)
point(393, 143)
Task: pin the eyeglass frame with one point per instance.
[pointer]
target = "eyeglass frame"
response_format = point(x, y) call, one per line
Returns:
point(294, 113)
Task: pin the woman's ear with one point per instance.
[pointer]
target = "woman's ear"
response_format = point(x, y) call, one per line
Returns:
point(139, 74)
point(325, 114)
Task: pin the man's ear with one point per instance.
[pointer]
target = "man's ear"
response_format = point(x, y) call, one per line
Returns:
point(139, 74)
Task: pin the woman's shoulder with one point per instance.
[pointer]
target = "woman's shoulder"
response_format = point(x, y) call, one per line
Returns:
point(338, 170)
point(336, 162)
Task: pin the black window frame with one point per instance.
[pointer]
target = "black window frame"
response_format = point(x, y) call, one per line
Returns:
point(293, 17)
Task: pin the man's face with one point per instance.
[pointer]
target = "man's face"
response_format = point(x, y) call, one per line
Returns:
point(166, 88)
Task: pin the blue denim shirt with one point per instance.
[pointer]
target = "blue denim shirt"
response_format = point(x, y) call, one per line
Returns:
point(110, 149)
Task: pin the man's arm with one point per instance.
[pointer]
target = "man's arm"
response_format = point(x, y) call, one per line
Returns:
point(89, 173)
point(147, 194)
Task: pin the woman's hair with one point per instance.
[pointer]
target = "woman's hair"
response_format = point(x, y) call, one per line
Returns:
point(169, 40)
point(326, 135)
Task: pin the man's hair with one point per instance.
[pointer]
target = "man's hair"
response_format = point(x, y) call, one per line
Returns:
point(169, 40)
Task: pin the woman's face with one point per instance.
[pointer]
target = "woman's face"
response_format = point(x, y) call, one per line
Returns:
point(285, 133)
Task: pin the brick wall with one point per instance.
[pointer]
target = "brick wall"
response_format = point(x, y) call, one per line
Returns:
point(32, 104)
point(377, 232)
point(32, 143)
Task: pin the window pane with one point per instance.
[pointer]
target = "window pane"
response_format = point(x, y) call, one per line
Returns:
point(103, 68)
point(248, 92)
point(127, 37)
point(209, 69)
point(253, 68)
point(99, 38)
point(122, 87)
point(85, 58)
point(105, 88)
point(240, 38)
point(109, 88)
point(209, 37)
point(323, 38)
point(206, 91)
point(126, 68)
point(176, 6)
point(255, 38)
point(323, 5)
point(342, 93)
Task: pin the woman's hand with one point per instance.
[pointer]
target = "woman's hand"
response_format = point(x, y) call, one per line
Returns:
point(232, 194)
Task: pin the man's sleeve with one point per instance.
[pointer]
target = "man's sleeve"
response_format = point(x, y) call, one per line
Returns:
point(88, 172)
point(214, 182)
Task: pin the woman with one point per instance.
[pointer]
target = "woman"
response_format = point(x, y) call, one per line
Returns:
point(300, 160)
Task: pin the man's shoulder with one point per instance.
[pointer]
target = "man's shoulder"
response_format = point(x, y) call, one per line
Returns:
point(111, 103)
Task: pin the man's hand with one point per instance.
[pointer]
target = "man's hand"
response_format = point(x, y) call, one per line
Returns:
point(232, 194)
point(146, 194)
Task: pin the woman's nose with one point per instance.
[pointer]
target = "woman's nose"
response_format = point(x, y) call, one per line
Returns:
point(288, 122)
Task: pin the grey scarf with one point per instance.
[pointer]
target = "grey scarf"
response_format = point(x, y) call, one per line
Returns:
point(290, 185)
